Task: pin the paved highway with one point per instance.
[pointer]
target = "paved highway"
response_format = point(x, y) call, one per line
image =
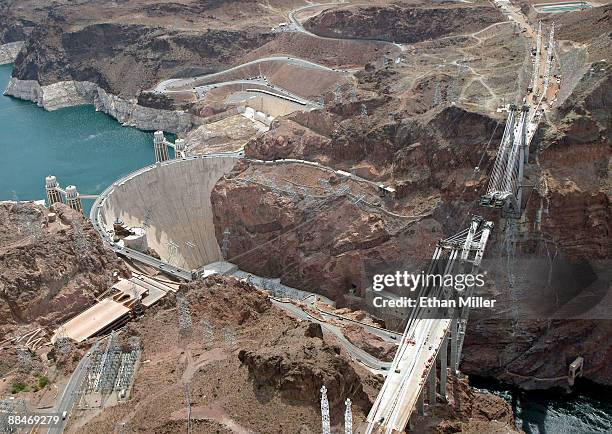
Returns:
point(66, 401)
point(408, 374)
point(387, 335)
point(203, 80)
point(300, 28)
point(423, 336)
point(202, 83)
point(366, 359)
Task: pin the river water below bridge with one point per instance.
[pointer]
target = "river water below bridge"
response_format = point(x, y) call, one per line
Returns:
point(587, 410)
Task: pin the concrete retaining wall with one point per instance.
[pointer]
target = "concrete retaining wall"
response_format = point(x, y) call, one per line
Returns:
point(273, 106)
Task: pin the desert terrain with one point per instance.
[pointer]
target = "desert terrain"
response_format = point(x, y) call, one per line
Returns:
point(390, 115)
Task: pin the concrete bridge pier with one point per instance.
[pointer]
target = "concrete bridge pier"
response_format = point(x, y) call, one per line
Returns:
point(431, 386)
point(443, 356)
point(421, 403)
point(454, 350)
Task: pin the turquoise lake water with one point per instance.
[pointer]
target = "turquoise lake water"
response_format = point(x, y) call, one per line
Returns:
point(78, 145)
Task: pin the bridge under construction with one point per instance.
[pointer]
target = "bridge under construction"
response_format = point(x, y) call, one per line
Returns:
point(412, 378)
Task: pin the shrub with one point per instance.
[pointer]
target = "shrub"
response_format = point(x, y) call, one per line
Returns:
point(43, 380)
point(19, 387)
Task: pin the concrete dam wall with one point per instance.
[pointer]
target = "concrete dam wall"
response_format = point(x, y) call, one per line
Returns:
point(173, 200)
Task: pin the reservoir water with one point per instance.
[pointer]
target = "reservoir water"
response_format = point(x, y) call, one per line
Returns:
point(78, 145)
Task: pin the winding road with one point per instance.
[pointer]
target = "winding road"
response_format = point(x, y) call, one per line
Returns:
point(300, 27)
point(372, 363)
point(201, 80)
point(201, 84)
point(204, 83)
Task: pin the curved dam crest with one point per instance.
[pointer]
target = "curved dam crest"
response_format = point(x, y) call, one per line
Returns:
point(173, 198)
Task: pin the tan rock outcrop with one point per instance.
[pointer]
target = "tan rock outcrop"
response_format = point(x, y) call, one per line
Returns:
point(49, 272)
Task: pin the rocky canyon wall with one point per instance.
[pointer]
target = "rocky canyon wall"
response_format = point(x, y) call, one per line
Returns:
point(49, 271)
point(401, 24)
point(9, 51)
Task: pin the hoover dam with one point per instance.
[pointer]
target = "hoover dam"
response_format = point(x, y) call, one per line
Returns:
point(172, 199)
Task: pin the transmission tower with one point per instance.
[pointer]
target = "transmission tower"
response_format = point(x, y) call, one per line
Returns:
point(451, 91)
point(348, 418)
point(230, 337)
point(24, 358)
point(172, 250)
point(363, 110)
point(81, 243)
point(122, 427)
point(138, 309)
point(437, 97)
point(146, 222)
point(62, 343)
point(326, 429)
point(226, 244)
point(208, 333)
point(184, 313)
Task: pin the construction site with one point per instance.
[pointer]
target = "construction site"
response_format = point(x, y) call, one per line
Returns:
point(230, 286)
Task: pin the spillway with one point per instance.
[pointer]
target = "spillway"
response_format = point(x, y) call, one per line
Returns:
point(172, 201)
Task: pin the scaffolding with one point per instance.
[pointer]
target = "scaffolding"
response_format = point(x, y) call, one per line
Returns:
point(505, 187)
